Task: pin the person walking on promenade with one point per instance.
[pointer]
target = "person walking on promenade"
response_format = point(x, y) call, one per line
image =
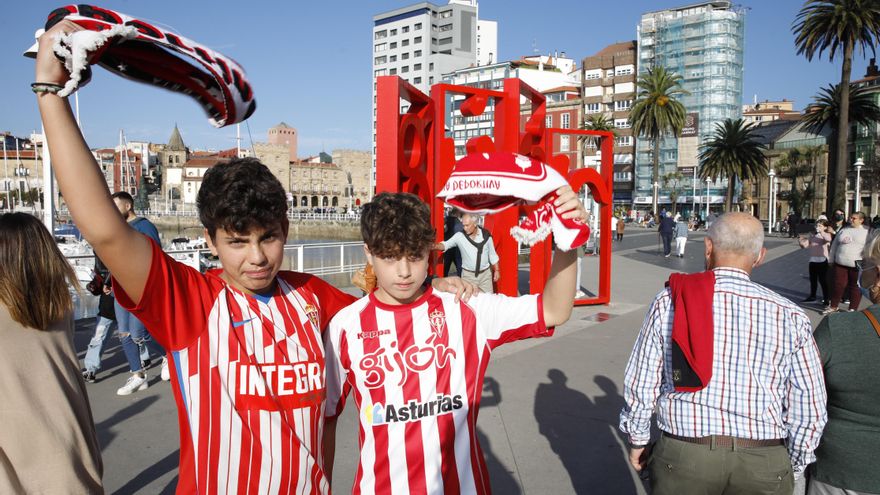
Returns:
point(849, 343)
point(614, 223)
point(667, 232)
point(451, 226)
point(681, 236)
point(478, 257)
point(845, 252)
point(104, 321)
point(47, 442)
point(818, 244)
point(132, 333)
point(621, 225)
point(741, 407)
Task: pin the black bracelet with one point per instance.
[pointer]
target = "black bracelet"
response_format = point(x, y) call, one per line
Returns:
point(39, 87)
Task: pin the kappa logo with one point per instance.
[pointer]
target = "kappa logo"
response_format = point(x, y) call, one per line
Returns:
point(373, 334)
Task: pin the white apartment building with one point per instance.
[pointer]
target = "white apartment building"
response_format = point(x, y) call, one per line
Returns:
point(541, 72)
point(423, 41)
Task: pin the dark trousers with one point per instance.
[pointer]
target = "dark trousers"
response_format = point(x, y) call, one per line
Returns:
point(845, 281)
point(619, 236)
point(667, 243)
point(682, 468)
point(452, 257)
point(819, 276)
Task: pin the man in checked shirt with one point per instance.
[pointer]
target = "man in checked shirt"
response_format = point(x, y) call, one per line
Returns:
point(753, 425)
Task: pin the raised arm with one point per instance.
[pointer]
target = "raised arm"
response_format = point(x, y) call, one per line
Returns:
point(124, 251)
point(559, 291)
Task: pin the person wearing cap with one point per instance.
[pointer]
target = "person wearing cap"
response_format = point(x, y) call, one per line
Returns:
point(733, 373)
point(479, 261)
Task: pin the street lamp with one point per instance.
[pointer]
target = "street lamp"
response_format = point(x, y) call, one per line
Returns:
point(708, 199)
point(770, 209)
point(656, 197)
point(858, 198)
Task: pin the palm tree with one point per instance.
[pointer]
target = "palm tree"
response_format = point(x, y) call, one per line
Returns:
point(672, 182)
point(825, 112)
point(733, 152)
point(839, 26)
point(657, 112)
point(595, 122)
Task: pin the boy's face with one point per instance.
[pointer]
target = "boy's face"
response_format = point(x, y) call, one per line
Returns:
point(399, 280)
point(251, 260)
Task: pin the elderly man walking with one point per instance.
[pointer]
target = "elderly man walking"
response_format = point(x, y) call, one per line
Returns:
point(479, 261)
point(733, 372)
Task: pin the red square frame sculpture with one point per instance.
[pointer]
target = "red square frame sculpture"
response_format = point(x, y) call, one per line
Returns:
point(414, 155)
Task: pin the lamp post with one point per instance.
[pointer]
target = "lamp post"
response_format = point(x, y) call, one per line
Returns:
point(770, 209)
point(708, 181)
point(656, 198)
point(857, 203)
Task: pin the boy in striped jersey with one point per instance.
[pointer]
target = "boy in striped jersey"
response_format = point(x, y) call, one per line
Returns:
point(415, 359)
point(244, 342)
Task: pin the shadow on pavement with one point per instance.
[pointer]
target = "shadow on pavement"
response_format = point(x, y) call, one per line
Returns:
point(104, 428)
point(583, 433)
point(501, 480)
point(147, 476)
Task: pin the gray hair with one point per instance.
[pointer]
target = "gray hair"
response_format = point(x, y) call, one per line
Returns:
point(739, 233)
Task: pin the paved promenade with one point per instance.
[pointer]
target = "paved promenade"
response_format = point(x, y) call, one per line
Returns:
point(548, 422)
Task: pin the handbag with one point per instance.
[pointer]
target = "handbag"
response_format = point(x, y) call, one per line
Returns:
point(96, 285)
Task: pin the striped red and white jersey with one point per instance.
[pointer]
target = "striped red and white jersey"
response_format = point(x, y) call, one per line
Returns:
point(248, 376)
point(417, 374)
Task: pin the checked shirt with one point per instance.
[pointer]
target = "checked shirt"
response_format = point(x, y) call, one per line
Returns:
point(766, 376)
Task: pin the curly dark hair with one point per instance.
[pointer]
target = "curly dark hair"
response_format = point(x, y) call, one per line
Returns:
point(239, 195)
point(394, 225)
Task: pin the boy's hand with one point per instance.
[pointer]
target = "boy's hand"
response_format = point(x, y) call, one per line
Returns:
point(568, 205)
point(462, 290)
point(49, 69)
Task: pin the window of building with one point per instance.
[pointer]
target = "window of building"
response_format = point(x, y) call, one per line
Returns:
point(380, 60)
point(392, 72)
point(445, 14)
point(405, 56)
point(393, 32)
point(548, 122)
point(622, 123)
point(380, 34)
point(592, 75)
point(393, 45)
point(434, 41)
point(404, 43)
point(417, 80)
point(445, 41)
point(622, 105)
point(417, 67)
point(417, 27)
point(445, 27)
point(591, 108)
point(431, 66)
point(392, 58)
point(564, 143)
point(417, 39)
point(404, 29)
point(380, 47)
point(566, 121)
point(431, 80)
point(623, 140)
point(404, 69)
point(417, 53)
point(609, 73)
point(379, 72)
point(623, 71)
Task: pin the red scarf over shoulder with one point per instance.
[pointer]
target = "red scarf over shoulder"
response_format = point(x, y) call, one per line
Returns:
point(693, 329)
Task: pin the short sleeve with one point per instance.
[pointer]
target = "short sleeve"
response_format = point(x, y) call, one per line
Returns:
point(175, 303)
point(336, 369)
point(504, 319)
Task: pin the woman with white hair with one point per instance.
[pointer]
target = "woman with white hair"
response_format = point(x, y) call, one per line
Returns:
point(846, 251)
point(849, 343)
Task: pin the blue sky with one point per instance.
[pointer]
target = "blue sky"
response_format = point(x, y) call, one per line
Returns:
point(310, 62)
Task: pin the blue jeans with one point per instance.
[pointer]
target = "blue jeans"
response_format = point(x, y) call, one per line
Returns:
point(135, 339)
point(92, 362)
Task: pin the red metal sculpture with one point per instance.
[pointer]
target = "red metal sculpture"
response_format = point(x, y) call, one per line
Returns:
point(413, 154)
